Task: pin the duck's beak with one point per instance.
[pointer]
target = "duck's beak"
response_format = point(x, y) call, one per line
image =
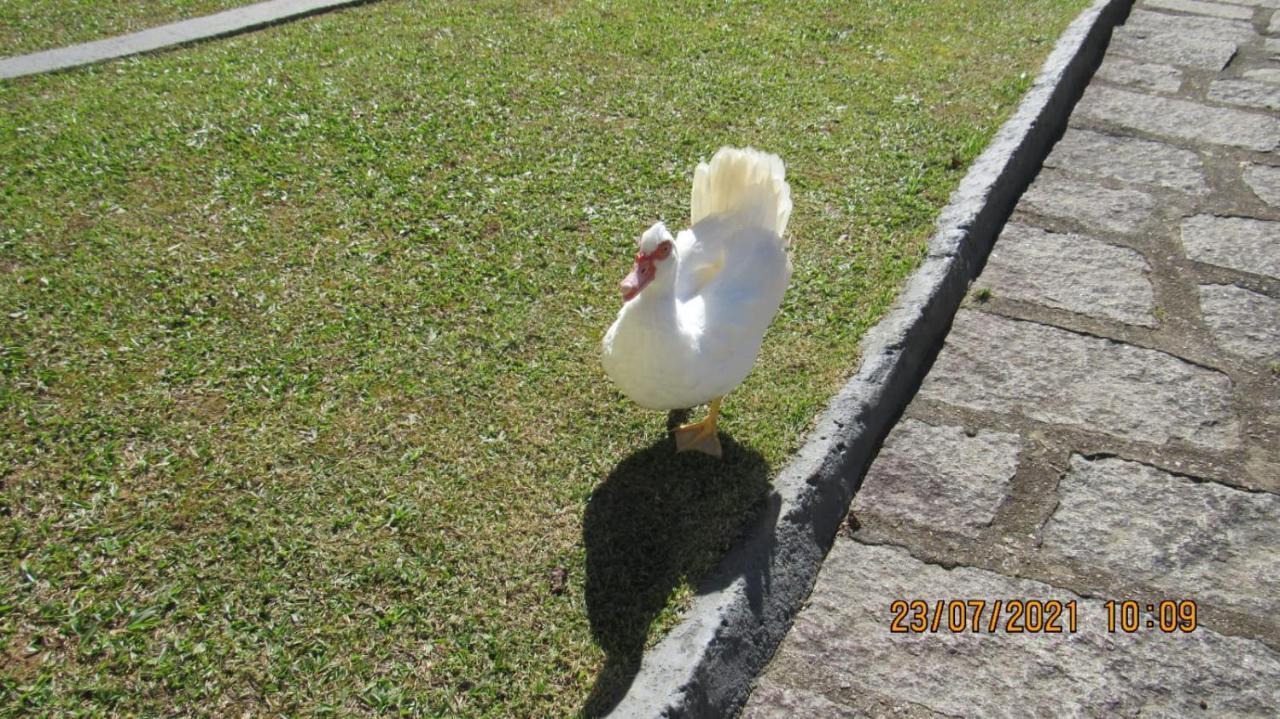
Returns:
point(641, 275)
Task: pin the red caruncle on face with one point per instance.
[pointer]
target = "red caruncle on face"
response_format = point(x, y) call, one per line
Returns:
point(646, 268)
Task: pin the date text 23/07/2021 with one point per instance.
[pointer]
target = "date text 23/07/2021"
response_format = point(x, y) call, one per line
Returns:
point(1035, 616)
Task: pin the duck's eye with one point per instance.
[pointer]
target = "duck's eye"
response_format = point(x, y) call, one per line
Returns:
point(663, 251)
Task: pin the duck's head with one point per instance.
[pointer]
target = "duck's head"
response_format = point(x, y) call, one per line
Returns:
point(656, 248)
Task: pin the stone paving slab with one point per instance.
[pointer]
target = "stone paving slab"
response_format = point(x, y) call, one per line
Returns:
point(1240, 243)
point(1143, 75)
point(1180, 119)
point(1051, 375)
point(1063, 271)
point(229, 22)
point(957, 479)
point(843, 646)
point(1184, 537)
point(1264, 74)
point(1088, 203)
point(1130, 160)
point(1244, 322)
point(784, 701)
point(1246, 93)
point(1264, 180)
point(1206, 43)
point(1212, 9)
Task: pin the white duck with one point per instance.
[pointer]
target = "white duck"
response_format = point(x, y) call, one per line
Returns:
point(696, 307)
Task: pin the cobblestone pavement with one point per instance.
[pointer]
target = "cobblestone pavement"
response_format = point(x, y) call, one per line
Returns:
point(1102, 425)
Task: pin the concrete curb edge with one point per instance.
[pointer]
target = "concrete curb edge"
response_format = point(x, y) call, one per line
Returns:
point(222, 24)
point(706, 665)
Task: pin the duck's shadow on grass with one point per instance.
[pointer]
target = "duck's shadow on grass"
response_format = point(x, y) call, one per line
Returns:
point(658, 518)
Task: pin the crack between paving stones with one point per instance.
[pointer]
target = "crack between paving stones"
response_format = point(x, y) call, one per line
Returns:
point(936, 412)
point(1203, 268)
point(905, 548)
point(1057, 502)
point(1232, 216)
point(944, 566)
point(1111, 128)
point(1086, 333)
point(1093, 456)
point(1009, 422)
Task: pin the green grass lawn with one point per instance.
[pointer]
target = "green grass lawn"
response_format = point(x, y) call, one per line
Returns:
point(301, 410)
point(33, 25)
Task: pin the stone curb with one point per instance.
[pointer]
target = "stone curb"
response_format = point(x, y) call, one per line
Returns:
point(229, 22)
point(705, 666)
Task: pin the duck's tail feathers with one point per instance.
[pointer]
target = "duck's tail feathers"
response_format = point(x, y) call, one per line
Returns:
point(746, 183)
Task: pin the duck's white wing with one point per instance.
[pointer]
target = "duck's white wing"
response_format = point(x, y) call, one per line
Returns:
point(702, 257)
point(730, 293)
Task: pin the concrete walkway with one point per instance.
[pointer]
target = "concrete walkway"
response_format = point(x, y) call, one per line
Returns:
point(229, 22)
point(1102, 425)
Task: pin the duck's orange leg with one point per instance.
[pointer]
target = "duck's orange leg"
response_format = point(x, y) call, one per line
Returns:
point(701, 436)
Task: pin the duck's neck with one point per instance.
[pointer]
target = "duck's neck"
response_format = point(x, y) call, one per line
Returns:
point(657, 302)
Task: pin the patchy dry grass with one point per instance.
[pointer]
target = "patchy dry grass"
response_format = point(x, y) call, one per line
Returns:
point(301, 411)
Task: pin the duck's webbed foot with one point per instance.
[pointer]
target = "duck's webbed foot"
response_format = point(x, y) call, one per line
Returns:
point(701, 436)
